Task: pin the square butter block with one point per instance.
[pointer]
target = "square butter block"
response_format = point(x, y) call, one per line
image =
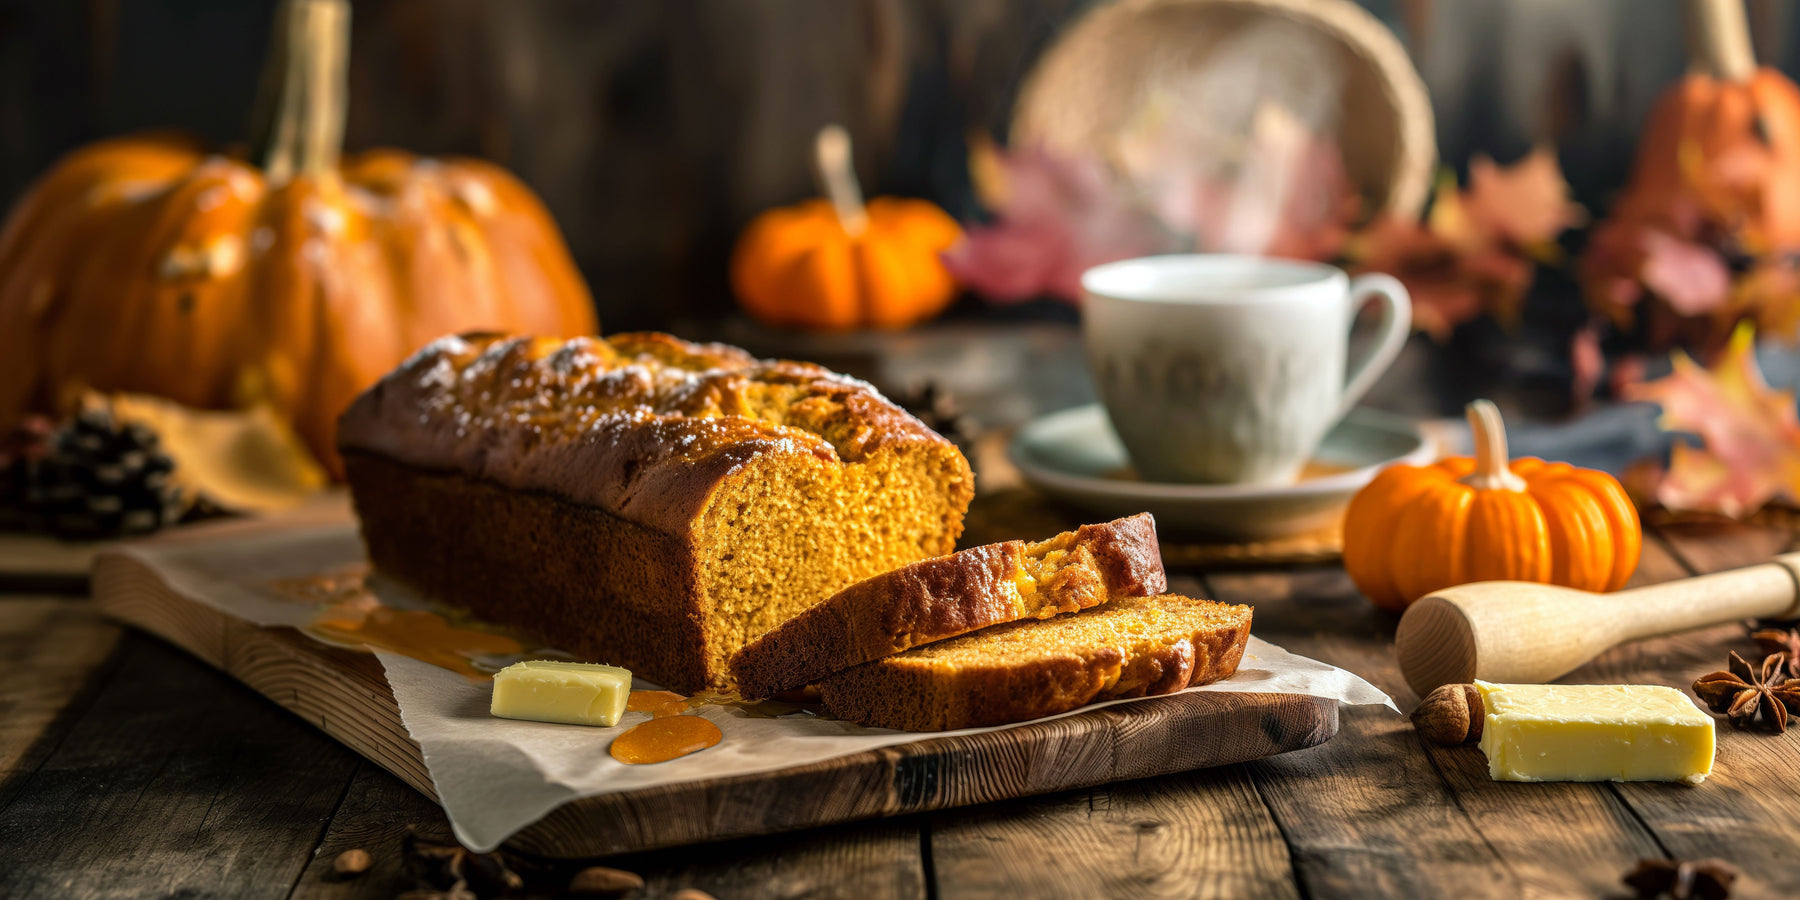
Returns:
point(569, 693)
point(1594, 732)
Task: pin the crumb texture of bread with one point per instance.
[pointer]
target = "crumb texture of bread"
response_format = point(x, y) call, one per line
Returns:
point(937, 599)
point(1130, 647)
point(641, 497)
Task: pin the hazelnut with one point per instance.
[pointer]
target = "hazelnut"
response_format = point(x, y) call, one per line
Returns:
point(1452, 715)
point(691, 894)
point(600, 880)
point(351, 863)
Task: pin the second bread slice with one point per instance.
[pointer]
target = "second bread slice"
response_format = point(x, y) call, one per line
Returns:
point(951, 595)
point(1131, 647)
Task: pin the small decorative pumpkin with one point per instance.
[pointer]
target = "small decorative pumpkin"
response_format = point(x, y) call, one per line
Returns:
point(1417, 529)
point(147, 264)
point(834, 265)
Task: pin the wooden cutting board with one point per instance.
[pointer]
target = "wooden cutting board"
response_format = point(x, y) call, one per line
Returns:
point(346, 694)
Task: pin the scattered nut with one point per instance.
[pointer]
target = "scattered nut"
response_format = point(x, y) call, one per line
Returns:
point(691, 894)
point(1452, 715)
point(602, 880)
point(351, 863)
point(487, 875)
point(456, 891)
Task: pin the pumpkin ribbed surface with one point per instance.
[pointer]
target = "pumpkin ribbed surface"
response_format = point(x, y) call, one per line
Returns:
point(1417, 529)
point(798, 267)
point(148, 265)
point(838, 263)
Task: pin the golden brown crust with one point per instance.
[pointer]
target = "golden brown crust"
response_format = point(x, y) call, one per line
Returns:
point(641, 425)
point(641, 500)
point(936, 599)
point(1132, 647)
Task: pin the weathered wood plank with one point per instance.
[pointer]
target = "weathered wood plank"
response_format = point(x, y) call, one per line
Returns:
point(1378, 812)
point(866, 861)
point(40, 563)
point(1196, 834)
point(873, 861)
point(173, 782)
point(54, 652)
point(1746, 811)
point(376, 813)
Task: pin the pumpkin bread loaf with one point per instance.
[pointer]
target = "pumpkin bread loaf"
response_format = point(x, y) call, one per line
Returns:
point(941, 598)
point(1130, 647)
point(641, 500)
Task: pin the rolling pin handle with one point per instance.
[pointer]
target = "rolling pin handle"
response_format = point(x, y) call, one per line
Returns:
point(1790, 562)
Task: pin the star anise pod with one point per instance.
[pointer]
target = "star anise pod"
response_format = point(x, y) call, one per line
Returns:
point(1681, 879)
point(1781, 640)
point(1752, 698)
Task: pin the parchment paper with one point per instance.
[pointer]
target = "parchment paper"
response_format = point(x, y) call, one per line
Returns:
point(496, 776)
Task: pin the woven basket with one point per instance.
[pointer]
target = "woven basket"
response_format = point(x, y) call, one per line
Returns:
point(1089, 84)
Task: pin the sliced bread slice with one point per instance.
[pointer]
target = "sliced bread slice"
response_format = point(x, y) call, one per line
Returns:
point(940, 598)
point(1131, 647)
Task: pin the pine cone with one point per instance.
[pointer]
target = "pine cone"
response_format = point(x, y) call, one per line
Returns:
point(101, 478)
point(940, 412)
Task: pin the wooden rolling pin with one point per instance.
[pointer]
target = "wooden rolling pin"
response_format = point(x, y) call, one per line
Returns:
point(1519, 632)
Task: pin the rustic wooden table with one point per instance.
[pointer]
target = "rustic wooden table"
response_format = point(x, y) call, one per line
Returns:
point(132, 770)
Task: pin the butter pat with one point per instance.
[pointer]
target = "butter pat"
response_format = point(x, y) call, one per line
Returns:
point(1594, 732)
point(569, 693)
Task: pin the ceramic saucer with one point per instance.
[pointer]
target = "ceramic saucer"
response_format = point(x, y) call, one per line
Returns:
point(1075, 457)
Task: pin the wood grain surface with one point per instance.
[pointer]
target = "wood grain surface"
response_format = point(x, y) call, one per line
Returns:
point(345, 694)
point(131, 769)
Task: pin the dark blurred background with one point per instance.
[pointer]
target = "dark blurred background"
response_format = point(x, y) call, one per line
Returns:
point(654, 129)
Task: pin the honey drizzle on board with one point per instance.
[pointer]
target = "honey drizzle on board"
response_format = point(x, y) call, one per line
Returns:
point(657, 703)
point(668, 734)
point(650, 742)
point(351, 614)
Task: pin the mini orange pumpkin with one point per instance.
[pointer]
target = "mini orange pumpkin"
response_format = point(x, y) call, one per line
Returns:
point(834, 265)
point(1417, 529)
point(147, 264)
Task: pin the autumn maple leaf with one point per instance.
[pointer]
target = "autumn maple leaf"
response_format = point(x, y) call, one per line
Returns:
point(1054, 218)
point(1473, 253)
point(1750, 433)
point(1526, 202)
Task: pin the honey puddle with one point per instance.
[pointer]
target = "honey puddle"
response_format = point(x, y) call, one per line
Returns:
point(668, 734)
point(353, 615)
point(656, 703)
point(663, 739)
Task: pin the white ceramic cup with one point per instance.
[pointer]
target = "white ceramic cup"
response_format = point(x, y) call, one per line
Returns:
point(1231, 369)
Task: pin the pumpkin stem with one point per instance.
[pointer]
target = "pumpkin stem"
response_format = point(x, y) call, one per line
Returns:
point(299, 121)
point(1721, 39)
point(1487, 431)
point(831, 152)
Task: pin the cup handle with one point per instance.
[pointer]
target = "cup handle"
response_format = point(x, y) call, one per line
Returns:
point(1396, 326)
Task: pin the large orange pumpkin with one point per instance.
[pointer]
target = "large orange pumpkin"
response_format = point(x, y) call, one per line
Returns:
point(837, 264)
point(1418, 529)
point(1726, 149)
point(148, 264)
